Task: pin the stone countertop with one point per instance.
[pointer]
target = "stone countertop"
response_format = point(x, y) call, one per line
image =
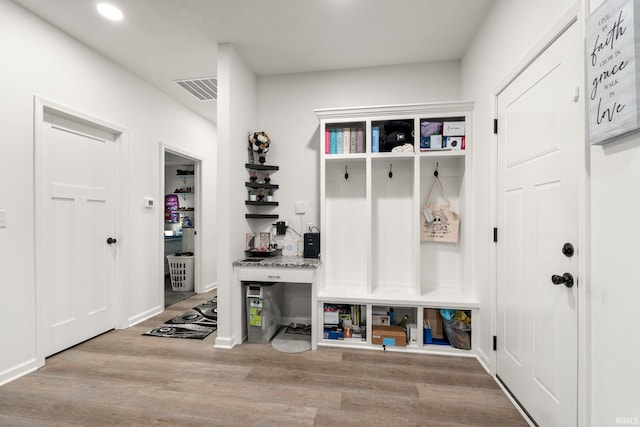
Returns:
point(278, 262)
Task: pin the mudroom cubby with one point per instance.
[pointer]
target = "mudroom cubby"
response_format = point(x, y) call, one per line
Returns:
point(392, 226)
point(344, 322)
point(442, 265)
point(372, 207)
point(346, 212)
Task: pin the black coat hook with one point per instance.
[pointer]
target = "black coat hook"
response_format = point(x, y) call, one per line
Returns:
point(435, 172)
point(346, 172)
point(390, 171)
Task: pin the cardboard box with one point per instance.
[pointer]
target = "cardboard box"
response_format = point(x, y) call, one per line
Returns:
point(331, 317)
point(454, 142)
point(378, 319)
point(413, 333)
point(388, 335)
point(453, 129)
point(435, 320)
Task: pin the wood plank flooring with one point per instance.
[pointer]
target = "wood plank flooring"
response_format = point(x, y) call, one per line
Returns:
point(124, 379)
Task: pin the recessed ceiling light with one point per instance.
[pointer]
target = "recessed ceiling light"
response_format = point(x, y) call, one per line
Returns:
point(109, 11)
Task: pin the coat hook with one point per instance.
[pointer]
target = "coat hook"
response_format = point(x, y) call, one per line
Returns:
point(390, 171)
point(435, 172)
point(346, 172)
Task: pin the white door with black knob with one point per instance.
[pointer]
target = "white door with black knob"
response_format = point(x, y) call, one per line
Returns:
point(79, 246)
point(539, 121)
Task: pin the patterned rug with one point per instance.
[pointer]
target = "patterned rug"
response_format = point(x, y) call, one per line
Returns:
point(196, 323)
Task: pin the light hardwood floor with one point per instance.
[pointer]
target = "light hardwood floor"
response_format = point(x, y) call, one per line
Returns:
point(125, 379)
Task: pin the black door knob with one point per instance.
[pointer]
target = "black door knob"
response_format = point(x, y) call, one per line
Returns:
point(568, 250)
point(566, 279)
point(111, 240)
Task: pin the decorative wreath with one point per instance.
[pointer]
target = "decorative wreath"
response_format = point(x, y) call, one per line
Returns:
point(259, 142)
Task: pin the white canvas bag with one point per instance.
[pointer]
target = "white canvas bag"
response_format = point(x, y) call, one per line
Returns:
point(438, 222)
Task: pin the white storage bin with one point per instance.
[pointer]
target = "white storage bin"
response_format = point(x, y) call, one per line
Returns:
point(181, 272)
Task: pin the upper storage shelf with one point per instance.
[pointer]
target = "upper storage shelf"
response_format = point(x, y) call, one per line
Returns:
point(395, 131)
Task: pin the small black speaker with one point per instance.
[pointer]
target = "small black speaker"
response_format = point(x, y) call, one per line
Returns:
point(311, 245)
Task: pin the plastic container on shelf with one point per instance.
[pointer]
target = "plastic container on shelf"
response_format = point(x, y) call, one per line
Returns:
point(181, 272)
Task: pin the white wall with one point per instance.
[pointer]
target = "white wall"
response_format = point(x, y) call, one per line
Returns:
point(236, 117)
point(286, 106)
point(40, 60)
point(615, 283)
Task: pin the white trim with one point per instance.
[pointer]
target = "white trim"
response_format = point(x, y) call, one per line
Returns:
point(120, 207)
point(584, 245)
point(575, 15)
point(138, 318)
point(209, 287)
point(19, 370)
point(561, 26)
point(380, 110)
point(224, 343)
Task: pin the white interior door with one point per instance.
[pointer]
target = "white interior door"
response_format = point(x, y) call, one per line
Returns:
point(538, 137)
point(79, 217)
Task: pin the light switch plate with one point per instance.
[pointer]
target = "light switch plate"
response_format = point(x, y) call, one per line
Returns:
point(301, 208)
point(3, 218)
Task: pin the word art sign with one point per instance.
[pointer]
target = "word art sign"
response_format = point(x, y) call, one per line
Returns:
point(613, 32)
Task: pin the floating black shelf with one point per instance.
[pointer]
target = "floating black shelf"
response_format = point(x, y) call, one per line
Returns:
point(263, 185)
point(257, 203)
point(261, 216)
point(261, 167)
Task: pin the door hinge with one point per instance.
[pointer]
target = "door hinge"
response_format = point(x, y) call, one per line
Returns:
point(495, 234)
point(495, 126)
point(495, 343)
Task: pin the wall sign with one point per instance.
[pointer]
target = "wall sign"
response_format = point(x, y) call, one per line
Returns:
point(613, 47)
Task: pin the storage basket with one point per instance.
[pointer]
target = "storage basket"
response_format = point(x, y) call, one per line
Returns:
point(181, 272)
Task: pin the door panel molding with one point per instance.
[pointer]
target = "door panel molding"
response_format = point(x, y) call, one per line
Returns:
point(53, 114)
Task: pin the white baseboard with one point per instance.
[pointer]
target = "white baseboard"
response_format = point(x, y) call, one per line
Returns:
point(145, 315)
point(224, 343)
point(20, 370)
point(210, 287)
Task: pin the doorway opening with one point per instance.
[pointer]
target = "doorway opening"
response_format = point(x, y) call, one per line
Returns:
point(181, 191)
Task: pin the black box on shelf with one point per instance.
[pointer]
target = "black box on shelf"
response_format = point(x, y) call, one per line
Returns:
point(311, 245)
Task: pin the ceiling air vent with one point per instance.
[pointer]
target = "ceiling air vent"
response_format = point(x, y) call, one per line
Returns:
point(204, 89)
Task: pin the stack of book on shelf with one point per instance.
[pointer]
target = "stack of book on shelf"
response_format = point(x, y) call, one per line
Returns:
point(344, 140)
point(344, 321)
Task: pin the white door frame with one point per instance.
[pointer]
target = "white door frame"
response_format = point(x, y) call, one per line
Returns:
point(199, 287)
point(575, 16)
point(120, 205)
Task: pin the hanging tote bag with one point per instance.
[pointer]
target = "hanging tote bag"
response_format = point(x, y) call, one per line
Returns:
point(438, 222)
